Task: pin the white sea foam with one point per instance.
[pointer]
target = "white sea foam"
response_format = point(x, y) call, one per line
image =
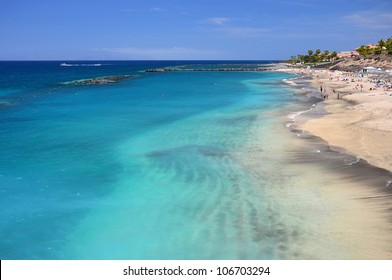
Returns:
point(290, 82)
point(356, 160)
point(296, 114)
point(81, 65)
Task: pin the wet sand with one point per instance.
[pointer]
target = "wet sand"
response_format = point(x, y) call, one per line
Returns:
point(360, 122)
point(345, 188)
point(358, 118)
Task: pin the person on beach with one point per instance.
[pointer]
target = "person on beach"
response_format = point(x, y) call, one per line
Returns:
point(334, 91)
point(321, 91)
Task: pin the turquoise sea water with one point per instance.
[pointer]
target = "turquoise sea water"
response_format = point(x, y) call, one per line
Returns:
point(176, 165)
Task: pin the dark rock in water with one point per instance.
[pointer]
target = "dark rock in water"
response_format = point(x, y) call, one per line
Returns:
point(101, 80)
point(157, 70)
point(5, 104)
point(189, 150)
point(237, 120)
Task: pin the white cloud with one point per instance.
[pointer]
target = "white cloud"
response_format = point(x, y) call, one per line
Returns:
point(160, 53)
point(153, 9)
point(158, 9)
point(229, 27)
point(217, 20)
point(370, 20)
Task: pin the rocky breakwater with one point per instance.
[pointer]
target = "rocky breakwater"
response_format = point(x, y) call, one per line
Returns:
point(237, 69)
point(100, 80)
point(215, 68)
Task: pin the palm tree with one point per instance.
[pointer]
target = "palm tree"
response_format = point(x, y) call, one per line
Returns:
point(364, 50)
point(381, 43)
point(326, 54)
point(334, 55)
point(388, 45)
point(310, 52)
point(301, 58)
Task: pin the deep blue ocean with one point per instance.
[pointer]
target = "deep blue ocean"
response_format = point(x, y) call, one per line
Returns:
point(157, 166)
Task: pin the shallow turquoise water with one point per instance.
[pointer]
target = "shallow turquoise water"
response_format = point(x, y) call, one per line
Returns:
point(149, 168)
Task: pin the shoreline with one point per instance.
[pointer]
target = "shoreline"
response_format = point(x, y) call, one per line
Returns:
point(358, 119)
point(360, 187)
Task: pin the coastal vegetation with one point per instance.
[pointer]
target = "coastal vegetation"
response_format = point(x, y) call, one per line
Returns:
point(383, 47)
point(314, 57)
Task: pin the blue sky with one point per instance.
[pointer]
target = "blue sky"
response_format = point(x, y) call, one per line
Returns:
point(184, 29)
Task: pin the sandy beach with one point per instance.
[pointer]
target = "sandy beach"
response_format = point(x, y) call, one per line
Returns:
point(359, 119)
point(357, 122)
